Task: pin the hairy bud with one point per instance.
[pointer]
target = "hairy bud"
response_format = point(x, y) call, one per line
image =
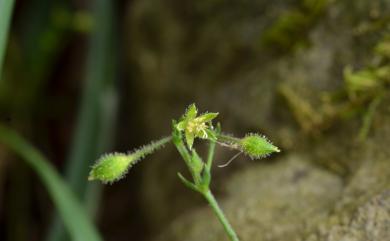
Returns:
point(257, 146)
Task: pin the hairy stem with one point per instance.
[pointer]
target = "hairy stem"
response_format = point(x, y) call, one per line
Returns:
point(221, 216)
point(227, 138)
point(178, 142)
point(210, 155)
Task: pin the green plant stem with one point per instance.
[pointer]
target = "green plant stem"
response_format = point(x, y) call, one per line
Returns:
point(177, 141)
point(6, 7)
point(210, 155)
point(226, 138)
point(221, 216)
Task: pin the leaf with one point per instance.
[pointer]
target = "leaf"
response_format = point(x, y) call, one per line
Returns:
point(187, 183)
point(98, 110)
point(207, 117)
point(6, 7)
point(73, 215)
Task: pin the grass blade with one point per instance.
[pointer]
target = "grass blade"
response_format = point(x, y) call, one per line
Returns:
point(6, 7)
point(97, 113)
point(73, 215)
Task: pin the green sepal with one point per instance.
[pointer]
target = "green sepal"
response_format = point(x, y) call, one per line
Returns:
point(181, 125)
point(191, 112)
point(189, 139)
point(207, 116)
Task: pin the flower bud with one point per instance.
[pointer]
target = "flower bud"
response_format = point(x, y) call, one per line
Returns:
point(257, 146)
point(112, 167)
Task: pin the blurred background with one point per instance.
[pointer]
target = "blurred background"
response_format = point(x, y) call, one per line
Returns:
point(83, 78)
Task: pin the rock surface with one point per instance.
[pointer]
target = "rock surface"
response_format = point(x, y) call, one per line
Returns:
point(266, 202)
point(371, 221)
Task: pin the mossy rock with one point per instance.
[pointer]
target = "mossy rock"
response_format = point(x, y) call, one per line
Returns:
point(369, 222)
point(211, 53)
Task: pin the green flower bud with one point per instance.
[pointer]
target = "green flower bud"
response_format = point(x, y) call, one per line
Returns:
point(257, 146)
point(112, 167)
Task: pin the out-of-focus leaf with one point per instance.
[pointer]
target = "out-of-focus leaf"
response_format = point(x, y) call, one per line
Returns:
point(73, 215)
point(6, 7)
point(97, 112)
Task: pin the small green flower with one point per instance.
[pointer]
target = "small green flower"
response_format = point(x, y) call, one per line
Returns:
point(194, 126)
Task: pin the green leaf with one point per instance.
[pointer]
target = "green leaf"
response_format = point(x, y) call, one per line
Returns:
point(207, 117)
point(6, 7)
point(187, 183)
point(95, 126)
point(73, 215)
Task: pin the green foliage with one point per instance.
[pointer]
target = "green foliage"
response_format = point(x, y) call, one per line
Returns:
point(289, 31)
point(367, 81)
point(361, 93)
point(368, 85)
point(6, 7)
point(112, 167)
point(71, 211)
point(383, 47)
point(98, 107)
